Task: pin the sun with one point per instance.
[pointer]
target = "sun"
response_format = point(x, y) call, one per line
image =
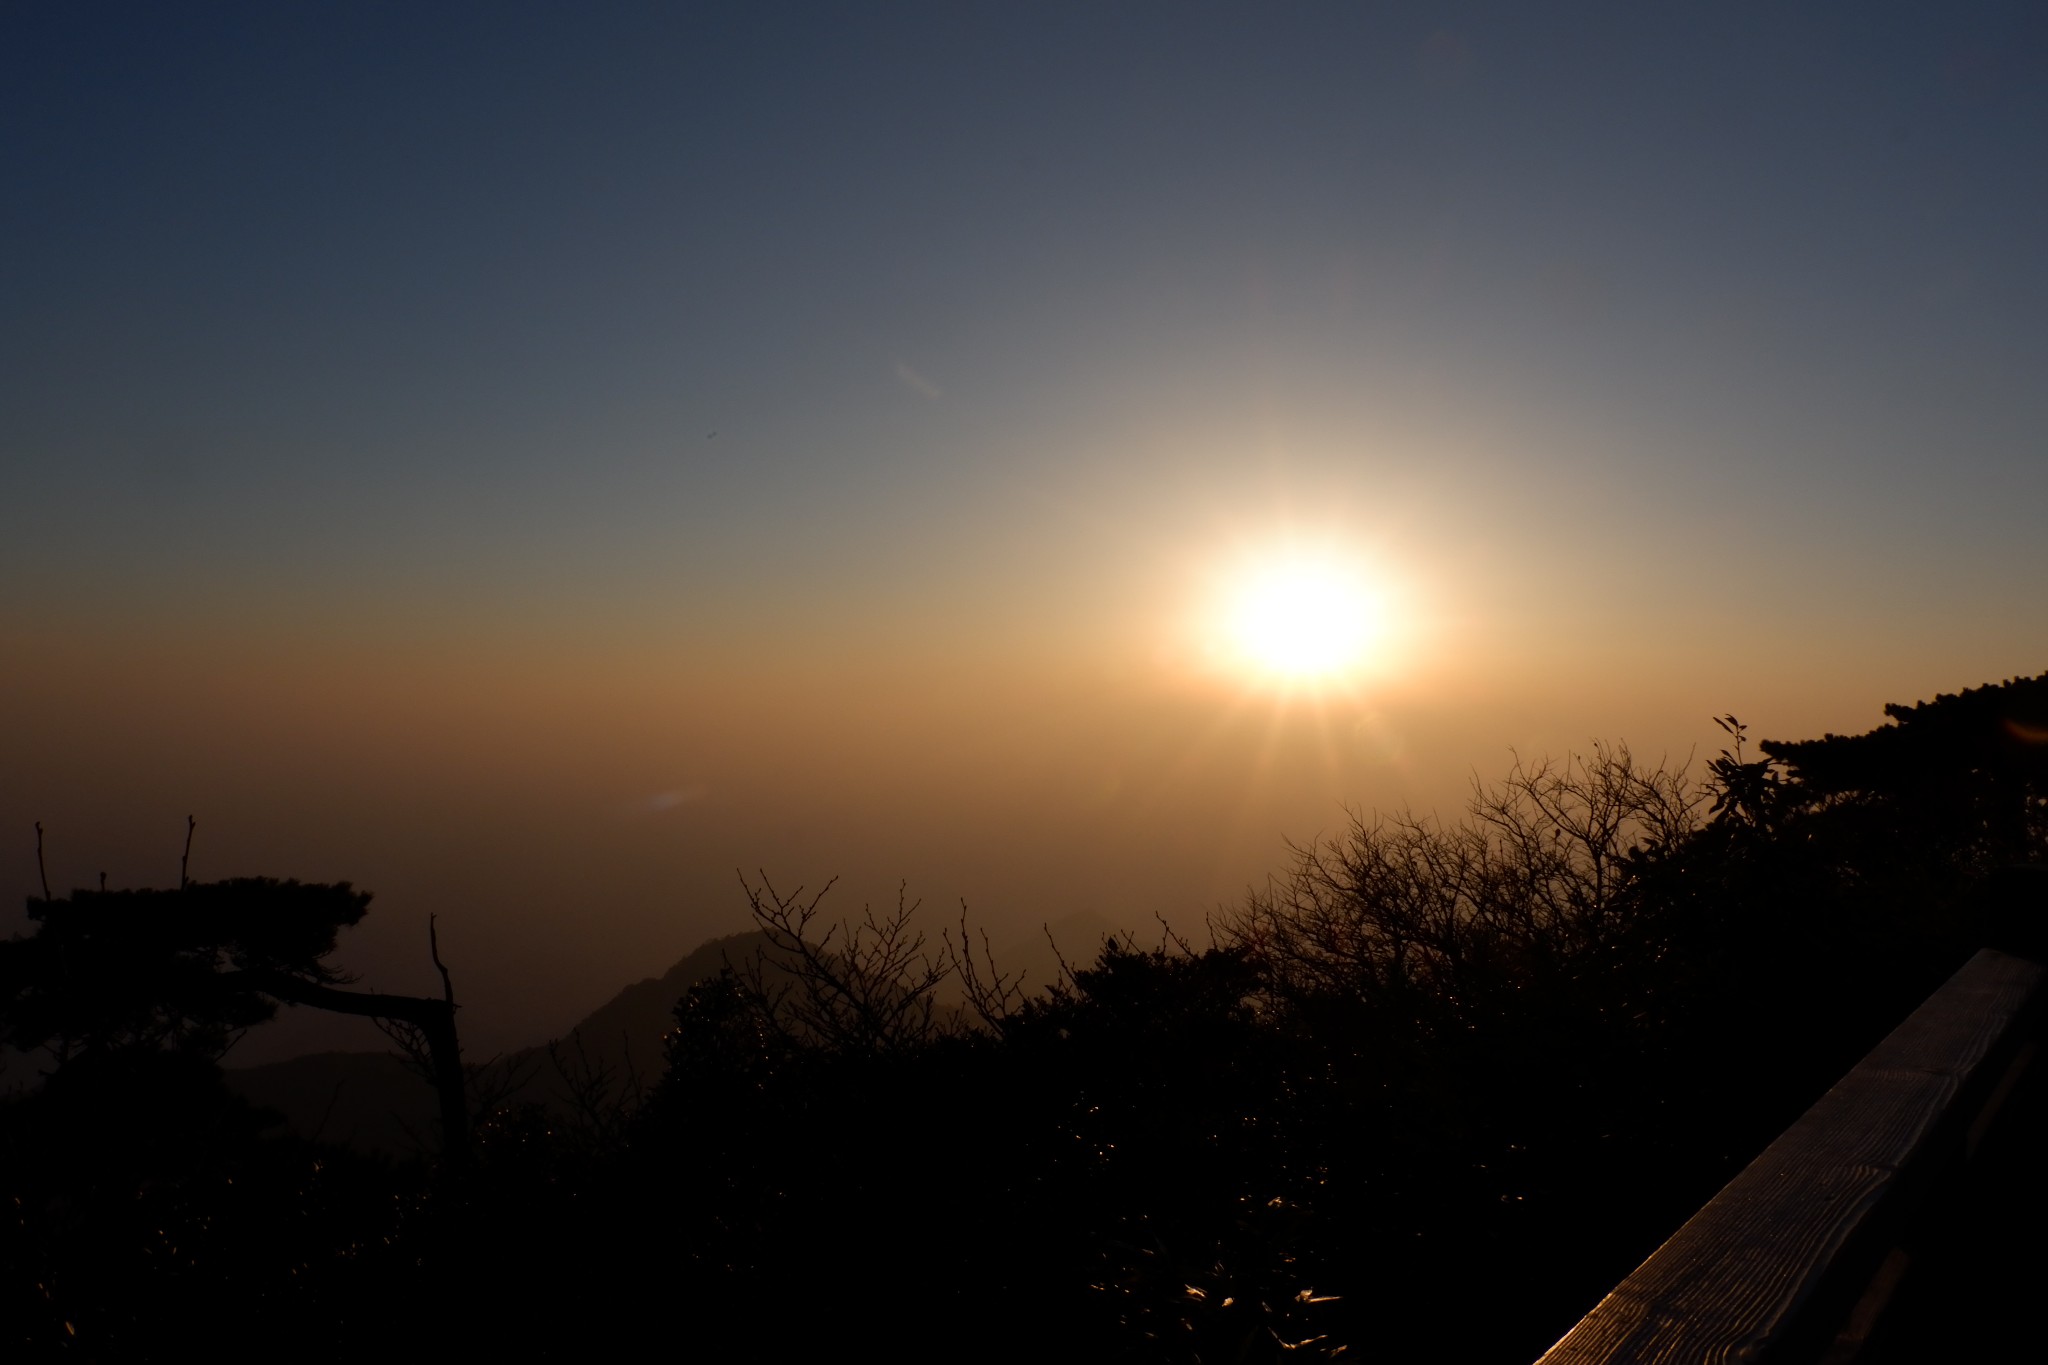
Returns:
point(1303, 617)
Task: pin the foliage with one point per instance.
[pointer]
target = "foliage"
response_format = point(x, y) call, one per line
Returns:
point(1430, 1065)
point(148, 968)
point(1968, 769)
point(1746, 792)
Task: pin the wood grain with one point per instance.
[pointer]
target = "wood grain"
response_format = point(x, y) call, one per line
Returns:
point(1730, 1284)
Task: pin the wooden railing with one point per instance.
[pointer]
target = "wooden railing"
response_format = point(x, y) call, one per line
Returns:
point(1796, 1259)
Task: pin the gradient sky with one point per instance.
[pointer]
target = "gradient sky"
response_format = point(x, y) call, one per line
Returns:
point(533, 460)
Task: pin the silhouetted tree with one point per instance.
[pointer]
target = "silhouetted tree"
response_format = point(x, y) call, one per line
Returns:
point(188, 970)
point(149, 1214)
point(1968, 771)
point(1489, 1061)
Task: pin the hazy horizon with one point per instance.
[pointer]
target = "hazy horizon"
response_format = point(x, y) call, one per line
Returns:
point(531, 464)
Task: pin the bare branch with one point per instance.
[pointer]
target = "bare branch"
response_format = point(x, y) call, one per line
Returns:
point(1168, 936)
point(1066, 972)
point(992, 996)
point(434, 950)
point(1542, 877)
point(602, 1097)
point(489, 1085)
point(869, 986)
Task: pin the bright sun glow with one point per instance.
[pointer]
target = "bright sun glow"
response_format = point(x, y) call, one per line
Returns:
point(1304, 617)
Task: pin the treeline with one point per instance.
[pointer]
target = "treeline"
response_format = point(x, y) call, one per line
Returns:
point(1426, 1096)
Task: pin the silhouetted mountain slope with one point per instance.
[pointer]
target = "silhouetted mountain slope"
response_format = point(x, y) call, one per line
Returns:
point(371, 1101)
point(625, 1032)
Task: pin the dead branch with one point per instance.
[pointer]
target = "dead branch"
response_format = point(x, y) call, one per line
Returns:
point(874, 992)
point(992, 996)
point(602, 1097)
point(434, 951)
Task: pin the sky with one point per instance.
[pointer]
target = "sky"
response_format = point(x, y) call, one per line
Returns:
point(536, 461)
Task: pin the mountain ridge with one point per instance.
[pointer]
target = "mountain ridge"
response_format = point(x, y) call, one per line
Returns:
point(374, 1101)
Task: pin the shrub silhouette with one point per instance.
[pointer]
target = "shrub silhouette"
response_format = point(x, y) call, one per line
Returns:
point(1429, 1066)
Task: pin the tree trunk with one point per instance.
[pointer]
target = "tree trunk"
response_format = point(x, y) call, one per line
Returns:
point(434, 1018)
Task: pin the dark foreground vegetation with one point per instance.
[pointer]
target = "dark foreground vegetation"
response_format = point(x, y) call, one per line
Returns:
point(1424, 1098)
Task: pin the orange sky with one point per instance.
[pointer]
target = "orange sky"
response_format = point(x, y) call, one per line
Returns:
point(577, 820)
point(532, 464)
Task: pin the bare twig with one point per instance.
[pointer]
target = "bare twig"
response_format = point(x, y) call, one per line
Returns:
point(602, 1096)
point(185, 861)
point(411, 1041)
point(1168, 936)
point(40, 870)
point(865, 987)
point(488, 1086)
point(1066, 972)
point(327, 1113)
point(993, 997)
point(421, 1148)
point(434, 950)
point(1541, 881)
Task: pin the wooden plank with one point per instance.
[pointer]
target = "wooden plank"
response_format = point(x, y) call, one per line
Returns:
point(1729, 1285)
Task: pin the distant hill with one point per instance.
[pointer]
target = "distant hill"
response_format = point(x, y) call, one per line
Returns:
point(624, 1033)
point(372, 1101)
point(369, 1100)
